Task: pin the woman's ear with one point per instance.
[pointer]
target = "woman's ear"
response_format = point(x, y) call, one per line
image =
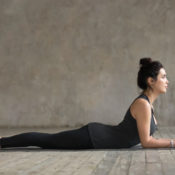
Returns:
point(150, 81)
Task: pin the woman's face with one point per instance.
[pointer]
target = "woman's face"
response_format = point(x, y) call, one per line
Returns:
point(161, 84)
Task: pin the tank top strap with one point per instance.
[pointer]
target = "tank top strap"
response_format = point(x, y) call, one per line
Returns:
point(144, 96)
point(141, 96)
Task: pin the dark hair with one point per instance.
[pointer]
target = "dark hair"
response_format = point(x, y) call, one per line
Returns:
point(148, 68)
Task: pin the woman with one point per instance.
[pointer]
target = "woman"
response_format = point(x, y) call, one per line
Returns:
point(138, 125)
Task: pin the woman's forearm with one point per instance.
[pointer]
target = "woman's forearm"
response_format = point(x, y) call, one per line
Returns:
point(157, 143)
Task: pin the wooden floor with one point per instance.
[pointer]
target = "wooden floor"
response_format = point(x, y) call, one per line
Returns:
point(135, 161)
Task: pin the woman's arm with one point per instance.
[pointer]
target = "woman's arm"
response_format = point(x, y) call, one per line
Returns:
point(141, 111)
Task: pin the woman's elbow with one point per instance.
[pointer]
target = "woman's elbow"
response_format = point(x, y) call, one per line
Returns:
point(146, 143)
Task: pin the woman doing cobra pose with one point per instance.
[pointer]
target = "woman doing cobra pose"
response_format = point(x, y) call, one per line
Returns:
point(138, 125)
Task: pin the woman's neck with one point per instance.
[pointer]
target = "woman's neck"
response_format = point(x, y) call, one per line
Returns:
point(151, 95)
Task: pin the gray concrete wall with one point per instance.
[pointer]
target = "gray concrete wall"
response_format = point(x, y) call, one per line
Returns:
point(67, 63)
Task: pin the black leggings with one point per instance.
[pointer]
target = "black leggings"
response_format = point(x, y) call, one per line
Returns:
point(71, 139)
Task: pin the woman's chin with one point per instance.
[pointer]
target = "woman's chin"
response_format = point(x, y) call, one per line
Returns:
point(163, 92)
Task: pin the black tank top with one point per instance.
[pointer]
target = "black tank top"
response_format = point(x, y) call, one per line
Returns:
point(123, 135)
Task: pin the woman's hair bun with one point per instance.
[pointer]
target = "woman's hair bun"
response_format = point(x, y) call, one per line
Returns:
point(145, 61)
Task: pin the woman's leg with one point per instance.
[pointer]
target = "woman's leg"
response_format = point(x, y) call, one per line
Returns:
point(71, 139)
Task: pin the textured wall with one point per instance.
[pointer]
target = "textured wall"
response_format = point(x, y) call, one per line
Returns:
point(75, 61)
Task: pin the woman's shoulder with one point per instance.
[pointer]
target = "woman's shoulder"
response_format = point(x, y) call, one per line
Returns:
point(140, 105)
